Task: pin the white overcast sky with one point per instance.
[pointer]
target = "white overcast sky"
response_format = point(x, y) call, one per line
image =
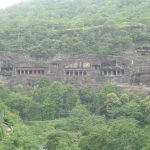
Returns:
point(8, 3)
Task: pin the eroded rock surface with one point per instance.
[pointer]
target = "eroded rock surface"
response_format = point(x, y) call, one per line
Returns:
point(93, 69)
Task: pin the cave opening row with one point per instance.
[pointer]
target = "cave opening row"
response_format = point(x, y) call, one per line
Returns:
point(75, 73)
point(30, 72)
point(113, 72)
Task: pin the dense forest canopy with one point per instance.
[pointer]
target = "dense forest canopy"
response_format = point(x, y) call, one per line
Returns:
point(74, 26)
point(55, 116)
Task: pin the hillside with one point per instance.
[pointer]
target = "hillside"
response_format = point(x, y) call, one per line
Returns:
point(74, 26)
point(55, 116)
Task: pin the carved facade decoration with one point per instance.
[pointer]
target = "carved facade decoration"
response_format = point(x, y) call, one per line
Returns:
point(76, 69)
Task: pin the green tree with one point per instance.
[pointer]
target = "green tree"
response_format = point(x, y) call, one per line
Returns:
point(95, 139)
point(58, 140)
point(145, 108)
point(19, 103)
point(56, 93)
point(1, 132)
point(88, 97)
point(125, 134)
point(43, 82)
point(111, 104)
point(102, 97)
point(49, 109)
point(70, 98)
point(21, 139)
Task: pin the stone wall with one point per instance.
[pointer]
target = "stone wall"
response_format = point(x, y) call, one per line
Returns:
point(93, 69)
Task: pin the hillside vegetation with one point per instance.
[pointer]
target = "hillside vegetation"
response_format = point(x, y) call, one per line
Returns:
point(55, 116)
point(58, 116)
point(74, 26)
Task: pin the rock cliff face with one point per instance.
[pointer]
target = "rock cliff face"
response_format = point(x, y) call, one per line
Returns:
point(95, 69)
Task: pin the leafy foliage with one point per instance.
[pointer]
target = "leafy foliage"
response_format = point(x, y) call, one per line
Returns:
point(59, 117)
point(74, 26)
